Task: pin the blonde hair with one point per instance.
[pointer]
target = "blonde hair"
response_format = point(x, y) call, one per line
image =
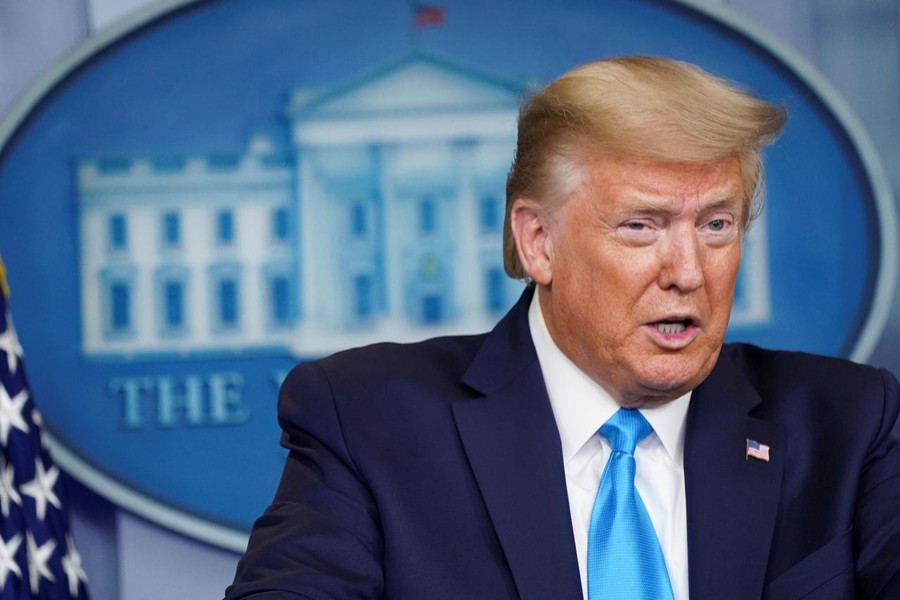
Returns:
point(646, 107)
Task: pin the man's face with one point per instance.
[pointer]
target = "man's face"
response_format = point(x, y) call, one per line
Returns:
point(638, 273)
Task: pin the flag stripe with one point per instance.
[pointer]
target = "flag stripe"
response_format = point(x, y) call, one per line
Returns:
point(38, 558)
point(757, 450)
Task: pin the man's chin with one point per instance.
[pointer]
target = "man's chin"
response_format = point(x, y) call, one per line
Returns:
point(670, 377)
point(654, 391)
point(654, 380)
point(649, 397)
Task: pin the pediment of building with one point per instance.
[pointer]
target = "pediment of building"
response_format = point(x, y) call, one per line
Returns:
point(414, 84)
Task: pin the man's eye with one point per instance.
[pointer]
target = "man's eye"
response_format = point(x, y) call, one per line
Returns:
point(636, 226)
point(718, 225)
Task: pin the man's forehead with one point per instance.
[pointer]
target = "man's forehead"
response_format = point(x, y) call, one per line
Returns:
point(645, 180)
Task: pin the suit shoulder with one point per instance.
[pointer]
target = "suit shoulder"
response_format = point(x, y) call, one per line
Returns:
point(785, 370)
point(819, 396)
point(429, 360)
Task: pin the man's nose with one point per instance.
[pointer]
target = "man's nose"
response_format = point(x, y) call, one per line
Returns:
point(681, 261)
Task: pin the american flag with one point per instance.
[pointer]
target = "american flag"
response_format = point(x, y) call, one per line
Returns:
point(757, 450)
point(38, 558)
point(428, 15)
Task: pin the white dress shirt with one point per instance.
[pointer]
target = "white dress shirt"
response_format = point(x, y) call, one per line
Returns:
point(581, 406)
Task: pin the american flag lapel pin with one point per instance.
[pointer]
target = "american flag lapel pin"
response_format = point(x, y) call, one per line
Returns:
point(756, 450)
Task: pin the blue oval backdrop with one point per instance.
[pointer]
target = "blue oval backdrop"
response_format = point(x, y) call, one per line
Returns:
point(227, 188)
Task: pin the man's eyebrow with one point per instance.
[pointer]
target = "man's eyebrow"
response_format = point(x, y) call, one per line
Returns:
point(726, 201)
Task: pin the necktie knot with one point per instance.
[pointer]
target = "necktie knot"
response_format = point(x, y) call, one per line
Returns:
point(625, 430)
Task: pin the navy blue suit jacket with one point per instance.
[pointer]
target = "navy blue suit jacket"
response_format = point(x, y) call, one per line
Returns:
point(435, 471)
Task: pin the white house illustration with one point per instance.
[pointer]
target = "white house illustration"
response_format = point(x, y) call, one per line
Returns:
point(381, 221)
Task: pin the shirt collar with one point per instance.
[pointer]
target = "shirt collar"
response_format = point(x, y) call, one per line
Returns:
point(581, 405)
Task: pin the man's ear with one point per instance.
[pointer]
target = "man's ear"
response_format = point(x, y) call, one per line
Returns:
point(531, 229)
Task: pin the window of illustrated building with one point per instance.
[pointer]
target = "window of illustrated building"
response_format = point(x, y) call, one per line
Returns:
point(173, 304)
point(495, 284)
point(117, 232)
point(225, 296)
point(432, 309)
point(489, 214)
point(225, 227)
point(171, 299)
point(427, 216)
point(358, 220)
point(362, 288)
point(228, 302)
point(171, 229)
point(433, 290)
point(279, 294)
point(120, 306)
point(280, 289)
point(280, 225)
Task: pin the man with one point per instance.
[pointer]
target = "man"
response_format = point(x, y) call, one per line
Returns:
point(470, 467)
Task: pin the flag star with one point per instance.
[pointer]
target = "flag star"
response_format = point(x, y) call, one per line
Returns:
point(38, 557)
point(9, 343)
point(11, 413)
point(71, 564)
point(41, 487)
point(8, 488)
point(8, 562)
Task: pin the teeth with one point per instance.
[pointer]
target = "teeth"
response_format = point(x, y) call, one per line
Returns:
point(670, 328)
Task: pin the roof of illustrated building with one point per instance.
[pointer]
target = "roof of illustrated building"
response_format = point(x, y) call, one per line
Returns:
point(439, 86)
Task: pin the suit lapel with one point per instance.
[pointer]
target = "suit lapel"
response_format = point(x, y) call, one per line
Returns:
point(512, 443)
point(732, 501)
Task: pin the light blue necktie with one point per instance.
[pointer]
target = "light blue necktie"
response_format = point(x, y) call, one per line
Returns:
point(624, 560)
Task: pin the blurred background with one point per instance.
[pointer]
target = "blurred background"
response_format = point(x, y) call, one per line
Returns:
point(852, 47)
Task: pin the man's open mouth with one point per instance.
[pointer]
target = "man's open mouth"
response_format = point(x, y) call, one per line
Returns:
point(673, 326)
